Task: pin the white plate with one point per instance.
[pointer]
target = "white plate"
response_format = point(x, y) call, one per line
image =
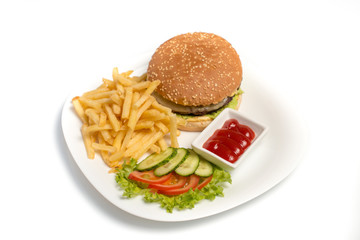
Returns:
point(275, 157)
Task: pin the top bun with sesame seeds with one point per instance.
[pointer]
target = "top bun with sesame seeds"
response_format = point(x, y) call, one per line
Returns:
point(199, 73)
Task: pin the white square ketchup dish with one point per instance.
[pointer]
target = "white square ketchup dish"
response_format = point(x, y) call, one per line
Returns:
point(229, 138)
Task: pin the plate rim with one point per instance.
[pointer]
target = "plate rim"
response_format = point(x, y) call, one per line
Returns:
point(172, 217)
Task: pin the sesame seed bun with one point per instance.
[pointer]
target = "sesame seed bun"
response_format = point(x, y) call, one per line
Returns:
point(196, 69)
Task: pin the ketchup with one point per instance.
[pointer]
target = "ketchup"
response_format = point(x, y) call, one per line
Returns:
point(230, 141)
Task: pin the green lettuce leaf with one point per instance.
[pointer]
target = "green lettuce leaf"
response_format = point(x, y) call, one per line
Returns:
point(169, 203)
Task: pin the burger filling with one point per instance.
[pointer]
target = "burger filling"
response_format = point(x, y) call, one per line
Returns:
point(196, 110)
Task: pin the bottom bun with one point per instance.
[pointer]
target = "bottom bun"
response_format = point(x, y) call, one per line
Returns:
point(199, 123)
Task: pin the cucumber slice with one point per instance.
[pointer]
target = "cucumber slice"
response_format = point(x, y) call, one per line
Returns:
point(156, 159)
point(205, 168)
point(172, 163)
point(189, 166)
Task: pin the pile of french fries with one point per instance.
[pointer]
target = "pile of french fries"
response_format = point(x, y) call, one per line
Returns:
point(122, 120)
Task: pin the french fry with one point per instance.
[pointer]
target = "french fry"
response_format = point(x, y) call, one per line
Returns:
point(133, 111)
point(87, 142)
point(135, 98)
point(100, 95)
point(102, 119)
point(121, 120)
point(90, 103)
point(92, 115)
point(109, 83)
point(173, 131)
point(162, 127)
point(116, 99)
point(116, 109)
point(112, 118)
point(161, 108)
point(145, 106)
point(133, 148)
point(120, 88)
point(127, 103)
point(107, 136)
point(139, 78)
point(162, 143)
point(104, 147)
point(79, 109)
point(155, 148)
point(113, 133)
point(104, 154)
point(127, 73)
point(96, 128)
point(136, 138)
point(147, 93)
point(143, 124)
point(103, 100)
point(124, 81)
point(122, 78)
point(133, 119)
point(127, 139)
point(118, 139)
point(153, 115)
point(115, 73)
point(152, 87)
point(116, 157)
point(140, 86)
point(144, 148)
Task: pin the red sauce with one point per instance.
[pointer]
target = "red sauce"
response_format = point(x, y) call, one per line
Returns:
point(230, 141)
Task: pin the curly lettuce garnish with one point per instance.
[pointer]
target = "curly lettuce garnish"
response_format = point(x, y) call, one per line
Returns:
point(169, 203)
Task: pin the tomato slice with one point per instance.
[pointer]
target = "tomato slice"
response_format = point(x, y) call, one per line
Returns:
point(192, 182)
point(148, 177)
point(175, 181)
point(204, 182)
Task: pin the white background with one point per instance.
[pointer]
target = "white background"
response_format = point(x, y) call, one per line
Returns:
point(308, 52)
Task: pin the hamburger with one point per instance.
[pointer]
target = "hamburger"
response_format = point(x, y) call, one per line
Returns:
point(200, 74)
